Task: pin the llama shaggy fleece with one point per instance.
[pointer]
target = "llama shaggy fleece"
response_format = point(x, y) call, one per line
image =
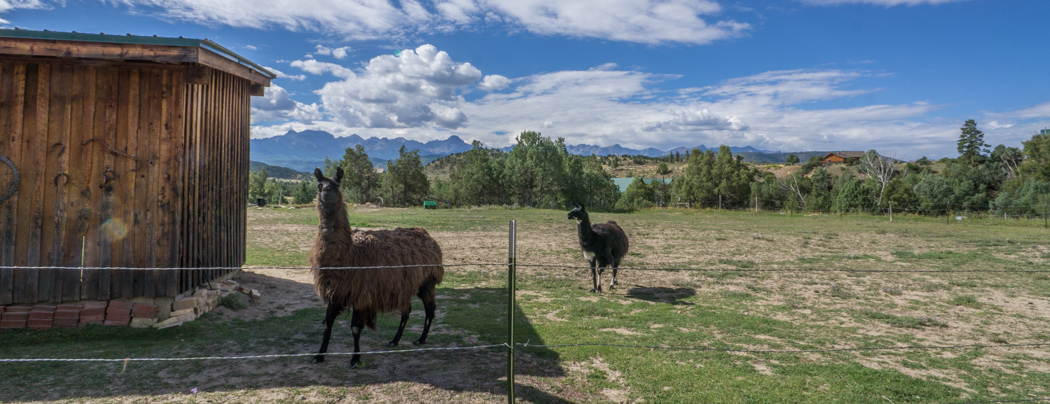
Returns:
point(372, 290)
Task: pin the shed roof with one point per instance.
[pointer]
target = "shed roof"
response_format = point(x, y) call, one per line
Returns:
point(129, 47)
point(846, 154)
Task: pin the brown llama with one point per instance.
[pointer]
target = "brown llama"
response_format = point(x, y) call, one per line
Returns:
point(366, 292)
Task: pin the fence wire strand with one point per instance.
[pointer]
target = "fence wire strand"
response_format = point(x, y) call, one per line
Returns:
point(816, 270)
point(782, 351)
point(270, 356)
point(249, 268)
point(574, 267)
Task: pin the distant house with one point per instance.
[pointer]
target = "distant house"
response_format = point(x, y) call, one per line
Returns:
point(841, 157)
point(1044, 132)
point(624, 182)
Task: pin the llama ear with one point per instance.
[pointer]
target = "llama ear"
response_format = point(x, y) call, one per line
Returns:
point(583, 208)
point(318, 174)
point(575, 205)
point(338, 175)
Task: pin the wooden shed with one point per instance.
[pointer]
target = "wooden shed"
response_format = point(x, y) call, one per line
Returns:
point(123, 151)
point(842, 157)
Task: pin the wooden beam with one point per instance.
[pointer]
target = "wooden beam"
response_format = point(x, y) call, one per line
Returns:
point(210, 59)
point(96, 50)
point(258, 90)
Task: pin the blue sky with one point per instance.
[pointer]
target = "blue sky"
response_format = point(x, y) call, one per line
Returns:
point(898, 76)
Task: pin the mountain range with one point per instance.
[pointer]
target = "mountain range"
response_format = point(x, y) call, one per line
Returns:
point(308, 149)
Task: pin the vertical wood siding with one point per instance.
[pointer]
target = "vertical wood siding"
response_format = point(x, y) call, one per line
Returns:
point(119, 166)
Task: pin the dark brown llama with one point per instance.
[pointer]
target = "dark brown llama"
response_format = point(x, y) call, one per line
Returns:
point(366, 292)
point(603, 244)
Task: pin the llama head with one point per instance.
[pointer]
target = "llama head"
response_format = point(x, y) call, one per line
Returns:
point(328, 195)
point(579, 213)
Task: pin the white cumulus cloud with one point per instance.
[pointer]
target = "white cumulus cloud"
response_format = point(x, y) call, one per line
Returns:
point(278, 106)
point(283, 75)
point(338, 53)
point(494, 82)
point(315, 67)
point(415, 89)
point(698, 119)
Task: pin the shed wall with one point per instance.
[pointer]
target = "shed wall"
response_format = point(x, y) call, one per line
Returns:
point(120, 165)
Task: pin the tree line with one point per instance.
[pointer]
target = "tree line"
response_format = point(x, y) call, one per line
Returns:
point(539, 172)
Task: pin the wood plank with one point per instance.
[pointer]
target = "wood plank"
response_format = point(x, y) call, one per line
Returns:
point(12, 99)
point(177, 186)
point(138, 204)
point(127, 169)
point(207, 180)
point(110, 226)
point(60, 111)
point(222, 167)
point(103, 128)
point(153, 198)
point(186, 224)
point(244, 125)
point(189, 174)
point(79, 171)
point(32, 202)
point(245, 164)
point(194, 154)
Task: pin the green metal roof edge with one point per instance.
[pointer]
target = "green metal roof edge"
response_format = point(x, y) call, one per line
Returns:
point(138, 40)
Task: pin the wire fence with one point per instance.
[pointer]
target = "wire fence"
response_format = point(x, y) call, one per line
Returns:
point(264, 268)
point(512, 346)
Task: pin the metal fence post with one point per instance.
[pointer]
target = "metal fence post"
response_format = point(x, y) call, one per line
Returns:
point(511, 287)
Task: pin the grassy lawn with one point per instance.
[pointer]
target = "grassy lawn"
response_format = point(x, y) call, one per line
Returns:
point(722, 285)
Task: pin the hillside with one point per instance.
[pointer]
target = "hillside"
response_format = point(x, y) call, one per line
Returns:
point(279, 172)
point(306, 150)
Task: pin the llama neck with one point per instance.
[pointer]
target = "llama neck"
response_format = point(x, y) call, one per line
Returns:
point(334, 220)
point(583, 227)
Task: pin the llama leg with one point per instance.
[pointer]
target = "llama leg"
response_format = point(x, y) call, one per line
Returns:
point(594, 279)
point(357, 323)
point(401, 328)
point(601, 269)
point(616, 268)
point(329, 321)
point(428, 296)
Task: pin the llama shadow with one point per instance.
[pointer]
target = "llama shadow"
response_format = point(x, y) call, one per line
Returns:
point(673, 296)
point(472, 317)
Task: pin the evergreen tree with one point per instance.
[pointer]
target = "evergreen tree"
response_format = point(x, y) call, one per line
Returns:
point(971, 144)
point(359, 177)
point(1036, 152)
point(792, 159)
point(304, 193)
point(257, 185)
point(638, 195)
point(535, 170)
point(405, 183)
point(477, 179)
point(709, 176)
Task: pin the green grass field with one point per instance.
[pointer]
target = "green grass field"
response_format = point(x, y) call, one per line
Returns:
point(723, 285)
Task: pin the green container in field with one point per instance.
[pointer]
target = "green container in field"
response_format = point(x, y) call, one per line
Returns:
point(430, 205)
